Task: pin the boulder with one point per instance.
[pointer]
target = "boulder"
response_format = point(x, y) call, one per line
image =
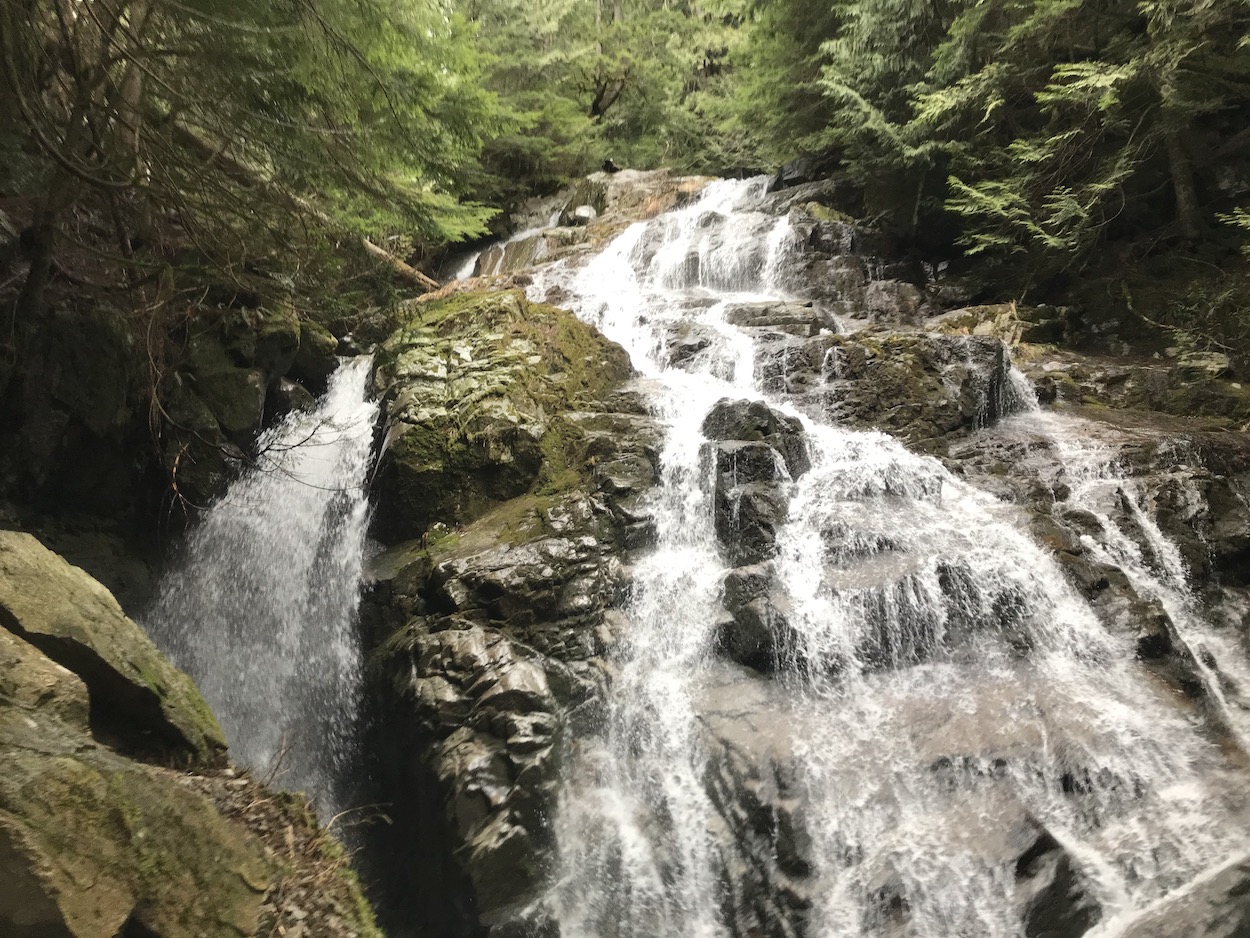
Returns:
point(93, 844)
point(755, 633)
point(317, 355)
point(801, 319)
point(473, 385)
point(752, 421)
point(919, 386)
point(135, 693)
point(1056, 896)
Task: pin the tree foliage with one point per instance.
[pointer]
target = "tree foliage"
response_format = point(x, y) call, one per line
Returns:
point(1043, 126)
point(146, 137)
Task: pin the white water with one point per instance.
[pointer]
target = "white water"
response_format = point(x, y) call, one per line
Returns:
point(1128, 537)
point(943, 683)
point(260, 607)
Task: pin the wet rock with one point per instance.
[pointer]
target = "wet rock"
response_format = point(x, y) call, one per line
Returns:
point(687, 342)
point(287, 397)
point(755, 632)
point(317, 355)
point(1214, 906)
point(801, 319)
point(753, 421)
point(487, 723)
point(1057, 899)
point(136, 695)
point(473, 383)
point(747, 519)
point(917, 386)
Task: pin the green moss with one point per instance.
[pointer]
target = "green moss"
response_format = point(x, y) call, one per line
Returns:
point(481, 380)
point(826, 214)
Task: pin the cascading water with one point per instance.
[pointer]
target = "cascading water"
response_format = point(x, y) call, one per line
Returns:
point(941, 686)
point(1129, 538)
point(260, 607)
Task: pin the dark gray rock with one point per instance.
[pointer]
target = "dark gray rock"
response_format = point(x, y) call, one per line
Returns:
point(1056, 896)
point(755, 630)
point(752, 421)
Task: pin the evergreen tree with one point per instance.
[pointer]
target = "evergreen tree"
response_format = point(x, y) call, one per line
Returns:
point(232, 137)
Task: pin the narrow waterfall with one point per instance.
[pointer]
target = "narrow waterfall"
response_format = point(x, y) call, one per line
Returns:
point(260, 606)
point(920, 622)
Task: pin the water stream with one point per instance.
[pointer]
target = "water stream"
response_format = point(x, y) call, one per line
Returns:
point(945, 691)
point(260, 605)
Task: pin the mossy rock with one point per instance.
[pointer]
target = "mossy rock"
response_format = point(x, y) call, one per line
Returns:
point(316, 358)
point(93, 845)
point(267, 339)
point(136, 695)
point(476, 384)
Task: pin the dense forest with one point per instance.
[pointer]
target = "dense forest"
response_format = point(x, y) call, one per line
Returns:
point(158, 156)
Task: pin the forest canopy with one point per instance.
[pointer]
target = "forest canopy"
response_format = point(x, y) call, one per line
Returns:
point(146, 145)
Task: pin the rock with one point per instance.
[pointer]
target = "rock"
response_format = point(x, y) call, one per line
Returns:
point(1213, 906)
point(755, 421)
point(287, 397)
point(135, 693)
point(30, 681)
point(267, 339)
point(804, 169)
point(1056, 896)
point(801, 319)
point(472, 384)
point(73, 396)
point(918, 386)
point(1193, 366)
point(583, 215)
point(894, 301)
point(93, 845)
point(317, 356)
point(755, 634)
point(488, 721)
point(747, 520)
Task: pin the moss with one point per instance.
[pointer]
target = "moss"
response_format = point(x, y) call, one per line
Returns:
point(481, 381)
point(826, 214)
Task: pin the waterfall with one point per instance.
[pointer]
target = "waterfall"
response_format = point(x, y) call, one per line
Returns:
point(260, 605)
point(943, 687)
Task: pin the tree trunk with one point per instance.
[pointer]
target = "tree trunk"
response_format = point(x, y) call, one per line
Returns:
point(1188, 218)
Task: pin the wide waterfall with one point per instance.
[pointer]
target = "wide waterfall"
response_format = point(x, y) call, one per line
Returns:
point(260, 607)
point(919, 619)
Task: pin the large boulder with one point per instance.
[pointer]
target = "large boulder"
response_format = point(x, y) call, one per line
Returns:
point(475, 385)
point(92, 843)
point(136, 694)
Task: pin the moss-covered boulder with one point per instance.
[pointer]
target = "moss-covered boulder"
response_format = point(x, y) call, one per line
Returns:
point(476, 386)
point(136, 695)
point(316, 358)
point(93, 845)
